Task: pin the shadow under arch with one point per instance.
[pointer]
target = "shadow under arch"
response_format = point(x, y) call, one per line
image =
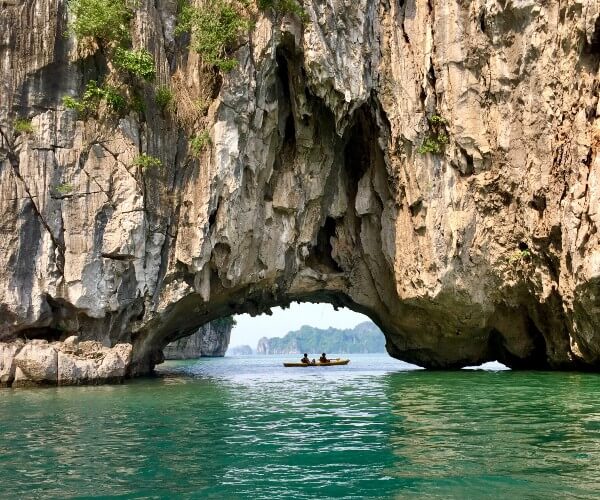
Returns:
point(186, 316)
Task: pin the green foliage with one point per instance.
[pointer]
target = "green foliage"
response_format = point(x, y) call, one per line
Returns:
point(215, 28)
point(437, 138)
point(226, 322)
point(199, 142)
point(433, 144)
point(72, 103)
point(363, 338)
point(94, 94)
point(437, 120)
point(139, 63)
point(520, 255)
point(63, 189)
point(106, 20)
point(163, 97)
point(23, 126)
point(147, 161)
point(283, 7)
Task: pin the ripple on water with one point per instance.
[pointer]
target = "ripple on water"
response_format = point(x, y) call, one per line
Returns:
point(247, 427)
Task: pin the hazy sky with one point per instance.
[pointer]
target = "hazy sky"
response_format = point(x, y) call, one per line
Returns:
point(248, 329)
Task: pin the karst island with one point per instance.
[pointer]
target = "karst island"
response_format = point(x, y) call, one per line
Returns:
point(170, 170)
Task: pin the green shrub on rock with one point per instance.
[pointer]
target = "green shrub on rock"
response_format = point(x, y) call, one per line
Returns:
point(94, 94)
point(23, 126)
point(283, 7)
point(75, 104)
point(437, 137)
point(147, 161)
point(199, 142)
point(163, 96)
point(215, 28)
point(433, 144)
point(139, 63)
point(106, 20)
point(520, 255)
point(92, 97)
point(64, 189)
point(436, 120)
point(108, 23)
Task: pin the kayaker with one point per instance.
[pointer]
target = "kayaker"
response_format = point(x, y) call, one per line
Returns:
point(305, 359)
point(323, 359)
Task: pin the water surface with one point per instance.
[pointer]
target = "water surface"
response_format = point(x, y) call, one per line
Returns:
point(248, 428)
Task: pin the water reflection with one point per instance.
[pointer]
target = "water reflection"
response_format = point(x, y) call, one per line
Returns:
point(126, 439)
point(248, 428)
point(479, 433)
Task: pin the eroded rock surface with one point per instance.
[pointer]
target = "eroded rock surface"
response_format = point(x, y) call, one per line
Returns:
point(313, 187)
point(71, 362)
point(7, 362)
point(211, 340)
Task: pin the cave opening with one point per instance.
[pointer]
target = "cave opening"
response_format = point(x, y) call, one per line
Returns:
point(310, 328)
point(284, 334)
point(327, 259)
point(259, 332)
point(300, 327)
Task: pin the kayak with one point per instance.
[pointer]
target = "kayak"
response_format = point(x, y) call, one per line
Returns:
point(333, 362)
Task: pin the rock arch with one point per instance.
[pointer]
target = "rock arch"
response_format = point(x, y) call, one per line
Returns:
point(314, 186)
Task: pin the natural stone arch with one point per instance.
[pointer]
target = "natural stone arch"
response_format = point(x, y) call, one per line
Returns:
point(327, 181)
point(313, 187)
point(322, 228)
point(323, 211)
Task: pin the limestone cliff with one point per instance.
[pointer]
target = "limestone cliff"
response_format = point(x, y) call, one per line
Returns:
point(211, 340)
point(431, 163)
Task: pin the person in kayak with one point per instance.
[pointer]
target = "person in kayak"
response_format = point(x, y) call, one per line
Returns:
point(323, 359)
point(305, 359)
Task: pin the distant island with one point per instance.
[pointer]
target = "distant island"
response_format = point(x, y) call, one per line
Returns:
point(240, 350)
point(363, 338)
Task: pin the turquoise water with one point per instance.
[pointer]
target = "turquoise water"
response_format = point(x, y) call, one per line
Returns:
point(248, 428)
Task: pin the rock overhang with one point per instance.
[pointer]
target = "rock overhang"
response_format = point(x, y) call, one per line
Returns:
point(313, 186)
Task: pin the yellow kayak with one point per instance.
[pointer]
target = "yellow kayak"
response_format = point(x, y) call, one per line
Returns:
point(333, 362)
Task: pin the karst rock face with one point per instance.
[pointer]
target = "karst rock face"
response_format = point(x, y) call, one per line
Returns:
point(314, 185)
point(210, 340)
